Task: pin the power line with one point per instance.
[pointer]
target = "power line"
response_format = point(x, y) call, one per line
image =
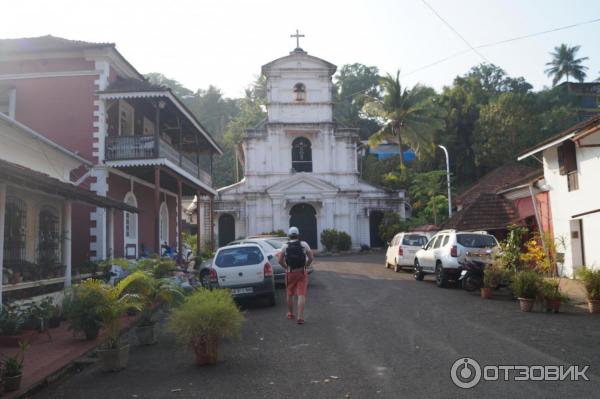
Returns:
point(456, 32)
point(490, 44)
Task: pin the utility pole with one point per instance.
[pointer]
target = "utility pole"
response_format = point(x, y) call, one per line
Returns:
point(448, 178)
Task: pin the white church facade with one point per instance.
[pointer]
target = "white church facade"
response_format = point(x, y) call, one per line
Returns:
point(301, 166)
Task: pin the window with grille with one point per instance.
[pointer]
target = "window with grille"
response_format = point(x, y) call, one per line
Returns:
point(15, 227)
point(49, 236)
point(301, 155)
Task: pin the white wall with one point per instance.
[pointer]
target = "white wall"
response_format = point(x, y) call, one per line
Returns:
point(20, 148)
point(565, 204)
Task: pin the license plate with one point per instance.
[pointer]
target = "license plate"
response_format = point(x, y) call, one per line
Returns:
point(238, 291)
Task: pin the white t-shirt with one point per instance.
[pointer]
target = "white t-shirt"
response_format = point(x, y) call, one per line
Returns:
point(304, 244)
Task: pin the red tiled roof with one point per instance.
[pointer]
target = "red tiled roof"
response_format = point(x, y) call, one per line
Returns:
point(45, 43)
point(493, 182)
point(486, 212)
point(529, 178)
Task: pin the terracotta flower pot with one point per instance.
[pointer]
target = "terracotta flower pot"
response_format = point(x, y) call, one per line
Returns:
point(486, 292)
point(552, 305)
point(594, 305)
point(145, 334)
point(13, 383)
point(114, 359)
point(205, 349)
point(526, 304)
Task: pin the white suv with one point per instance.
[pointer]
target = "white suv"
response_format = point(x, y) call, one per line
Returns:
point(446, 250)
point(402, 249)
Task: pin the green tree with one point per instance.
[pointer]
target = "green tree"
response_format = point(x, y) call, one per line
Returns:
point(425, 194)
point(354, 83)
point(177, 88)
point(564, 64)
point(408, 116)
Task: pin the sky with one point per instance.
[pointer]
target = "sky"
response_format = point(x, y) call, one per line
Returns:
point(225, 42)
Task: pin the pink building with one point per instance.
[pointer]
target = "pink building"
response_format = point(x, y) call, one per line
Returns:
point(145, 147)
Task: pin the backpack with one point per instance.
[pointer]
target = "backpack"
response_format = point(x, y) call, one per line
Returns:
point(294, 255)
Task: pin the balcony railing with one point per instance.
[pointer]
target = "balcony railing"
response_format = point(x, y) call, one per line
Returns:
point(120, 148)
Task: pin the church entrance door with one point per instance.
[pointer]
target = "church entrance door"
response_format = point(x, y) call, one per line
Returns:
point(375, 219)
point(304, 217)
point(226, 229)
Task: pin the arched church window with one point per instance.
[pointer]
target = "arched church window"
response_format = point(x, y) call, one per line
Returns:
point(299, 92)
point(301, 155)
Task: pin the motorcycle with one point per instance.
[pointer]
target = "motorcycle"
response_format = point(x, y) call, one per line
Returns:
point(471, 276)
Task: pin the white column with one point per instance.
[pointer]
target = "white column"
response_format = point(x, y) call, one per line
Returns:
point(67, 236)
point(111, 233)
point(2, 211)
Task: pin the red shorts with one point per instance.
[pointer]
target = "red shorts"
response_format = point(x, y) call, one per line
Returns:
point(296, 282)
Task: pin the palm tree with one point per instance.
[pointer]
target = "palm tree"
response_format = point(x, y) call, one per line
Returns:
point(408, 115)
point(564, 64)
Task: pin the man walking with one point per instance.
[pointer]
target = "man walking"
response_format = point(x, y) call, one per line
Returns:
point(296, 256)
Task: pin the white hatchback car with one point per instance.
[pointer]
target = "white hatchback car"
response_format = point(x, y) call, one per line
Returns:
point(446, 250)
point(245, 270)
point(402, 249)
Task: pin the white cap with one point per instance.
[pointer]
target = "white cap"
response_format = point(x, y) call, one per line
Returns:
point(293, 231)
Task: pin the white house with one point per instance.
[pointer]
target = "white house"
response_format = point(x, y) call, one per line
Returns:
point(36, 197)
point(301, 165)
point(571, 162)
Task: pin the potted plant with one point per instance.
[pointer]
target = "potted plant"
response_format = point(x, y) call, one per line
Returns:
point(114, 355)
point(11, 326)
point(203, 318)
point(153, 294)
point(591, 281)
point(552, 295)
point(81, 307)
point(525, 287)
point(13, 368)
point(492, 276)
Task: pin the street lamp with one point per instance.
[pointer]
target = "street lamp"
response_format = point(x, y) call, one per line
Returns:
point(448, 178)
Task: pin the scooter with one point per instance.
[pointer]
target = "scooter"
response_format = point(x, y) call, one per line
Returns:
point(471, 276)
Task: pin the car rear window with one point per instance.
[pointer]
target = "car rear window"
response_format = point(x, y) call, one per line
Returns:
point(240, 256)
point(416, 240)
point(476, 240)
point(277, 244)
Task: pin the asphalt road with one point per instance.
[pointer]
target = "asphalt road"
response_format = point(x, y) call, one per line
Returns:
point(369, 333)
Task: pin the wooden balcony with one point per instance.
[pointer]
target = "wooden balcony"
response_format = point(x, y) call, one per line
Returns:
point(122, 148)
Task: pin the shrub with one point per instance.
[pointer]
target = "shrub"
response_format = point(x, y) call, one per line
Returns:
point(82, 306)
point(11, 321)
point(526, 284)
point(591, 281)
point(329, 238)
point(344, 241)
point(492, 276)
point(550, 290)
point(208, 313)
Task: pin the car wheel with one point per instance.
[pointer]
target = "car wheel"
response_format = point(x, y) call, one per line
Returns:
point(205, 279)
point(418, 274)
point(441, 277)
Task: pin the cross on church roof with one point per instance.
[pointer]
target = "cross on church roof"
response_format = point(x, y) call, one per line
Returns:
point(297, 36)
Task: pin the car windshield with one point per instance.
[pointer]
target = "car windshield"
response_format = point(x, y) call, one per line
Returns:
point(415, 240)
point(476, 240)
point(239, 256)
